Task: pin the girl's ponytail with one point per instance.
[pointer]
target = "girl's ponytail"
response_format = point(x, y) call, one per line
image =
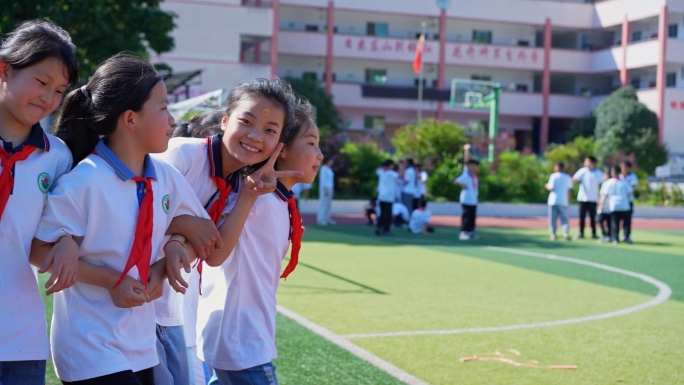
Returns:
point(73, 125)
point(121, 83)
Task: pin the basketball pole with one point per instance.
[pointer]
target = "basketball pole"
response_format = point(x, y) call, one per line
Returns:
point(493, 121)
point(420, 75)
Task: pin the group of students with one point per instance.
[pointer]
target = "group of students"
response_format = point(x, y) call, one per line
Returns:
point(401, 190)
point(612, 204)
point(125, 218)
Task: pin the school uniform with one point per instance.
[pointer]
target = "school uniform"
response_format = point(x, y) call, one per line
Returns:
point(200, 162)
point(617, 193)
point(102, 201)
point(409, 189)
point(419, 218)
point(421, 187)
point(468, 199)
point(400, 214)
point(632, 180)
point(26, 180)
point(326, 180)
point(558, 201)
point(237, 310)
point(587, 196)
point(387, 181)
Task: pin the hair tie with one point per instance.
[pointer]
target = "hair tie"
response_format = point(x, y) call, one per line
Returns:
point(84, 90)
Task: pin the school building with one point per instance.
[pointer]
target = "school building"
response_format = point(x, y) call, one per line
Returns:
point(555, 59)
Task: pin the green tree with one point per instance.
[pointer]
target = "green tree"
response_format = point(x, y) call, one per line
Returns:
point(430, 142)
point(363, 160)
point(571, 154)
point(625, 125)
point(583, 127)
point(328, 118)
point(99, 28)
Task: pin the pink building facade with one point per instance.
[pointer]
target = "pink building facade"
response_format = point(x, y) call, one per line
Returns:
point(556, 60)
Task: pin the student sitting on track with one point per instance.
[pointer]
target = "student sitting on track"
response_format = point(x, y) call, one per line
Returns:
point(420, 220)
point(400, 214)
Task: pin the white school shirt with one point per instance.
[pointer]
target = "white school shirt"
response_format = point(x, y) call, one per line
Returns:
point(632, 180)
point(469, 195)
point(409, 181)
point(387, 183)
point(589, 184)
point(617, 194)
point(237, 310)
point(98, 201)
point(418, 220)
point(196, 162)
point(560, 182)
point(23, 334)
point(326, 179)
point(422, 184)
point(399, 208)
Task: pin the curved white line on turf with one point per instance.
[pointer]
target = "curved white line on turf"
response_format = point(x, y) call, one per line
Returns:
point(352, 348)
point(664, 292)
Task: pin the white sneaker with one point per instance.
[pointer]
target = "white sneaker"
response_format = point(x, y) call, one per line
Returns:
point(553, 237)
point(331, 222)
point(321, 223)
point(463, 236)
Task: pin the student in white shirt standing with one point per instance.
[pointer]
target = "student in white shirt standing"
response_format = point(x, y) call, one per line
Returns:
point(326, 189)
point(589, 179)
point(387, 181)
point(615, 193)
point(421, 185)
point(37, 65)
point(632, 180)
point(469, 195)
point(559, 186)
point(420, 220)
point(409, 189)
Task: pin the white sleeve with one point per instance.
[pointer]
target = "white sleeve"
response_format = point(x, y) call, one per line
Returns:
point(461, 179)
point(175, 157)
point(63, 213)
point(578, 175)
point(186, 201)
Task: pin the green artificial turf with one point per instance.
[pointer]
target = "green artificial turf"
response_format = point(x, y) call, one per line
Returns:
point(352, 282)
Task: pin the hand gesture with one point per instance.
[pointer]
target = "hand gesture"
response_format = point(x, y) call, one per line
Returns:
point(63, 259)
point(176, 257)
point(129, 293)
point(201, 233)
point(264, 180)
point(467, 146)
point(155, 284)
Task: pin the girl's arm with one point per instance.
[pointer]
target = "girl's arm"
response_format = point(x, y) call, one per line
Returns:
point(59, 258)
point(231, 229)
point(200, 232)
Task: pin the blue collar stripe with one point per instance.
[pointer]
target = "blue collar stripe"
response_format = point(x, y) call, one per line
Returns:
point(282, 192)
point(215, 159)
point(123, 172)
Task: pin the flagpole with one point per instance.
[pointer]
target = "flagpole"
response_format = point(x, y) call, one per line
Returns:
point(420, 76)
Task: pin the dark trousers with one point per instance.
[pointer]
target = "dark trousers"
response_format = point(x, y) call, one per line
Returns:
point(398, 221)
point(587, 208)
point(143, 377)
point(385, 220)
point(615, 219)
point(416, 201)
point(604, 223)
point(628, 220)
point(369, 214)
point(468, 215)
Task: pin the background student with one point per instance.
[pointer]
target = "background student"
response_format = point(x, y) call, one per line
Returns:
point(559, 186)
point(387, 182)
point(589, 179)
point(37, 65)
point(409, 188)
point(604, 212)
point(326, 189)
point(420, 220)
point(615, 194)
point(469, 195)
point(631, 179)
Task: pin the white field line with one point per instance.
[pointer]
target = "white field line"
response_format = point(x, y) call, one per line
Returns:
point(664, 293)
point(352, 348)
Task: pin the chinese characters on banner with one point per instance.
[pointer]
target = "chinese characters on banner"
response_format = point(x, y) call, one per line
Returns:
point(677, 105)
point(456, 52)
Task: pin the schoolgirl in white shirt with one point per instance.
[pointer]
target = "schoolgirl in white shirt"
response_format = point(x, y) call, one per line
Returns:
point(37, 65)
point(240, 139)
point(236, 318)
point(118, 203)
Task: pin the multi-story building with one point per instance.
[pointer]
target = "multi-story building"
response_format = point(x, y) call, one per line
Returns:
point(555, 59)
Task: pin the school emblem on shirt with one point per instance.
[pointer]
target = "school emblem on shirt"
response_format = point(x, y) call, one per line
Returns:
point(44, 182)
point(166, 201)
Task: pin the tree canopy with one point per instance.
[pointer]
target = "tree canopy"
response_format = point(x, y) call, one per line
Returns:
point(430, 142)
point(328, 118)
point(99, 28)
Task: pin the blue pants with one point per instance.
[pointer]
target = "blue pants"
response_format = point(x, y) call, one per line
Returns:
point(555, 213)
point(173, 357)
point(22, 372)
point(257, 375)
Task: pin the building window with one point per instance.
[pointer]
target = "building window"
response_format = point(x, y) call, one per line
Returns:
point(334, 76)
point(311, 28)
point(376, 76)
point(309, 75)
point(672, 30)
point(523, 43)
point(521, 88)
point(416, 81)
point(483, 37)
point(671, 79)
point(484, 78)
point(374, 122)
point(636, 83)
point(377, 29)
point(636, 35)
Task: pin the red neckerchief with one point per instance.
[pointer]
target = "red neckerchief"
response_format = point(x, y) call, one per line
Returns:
point(296, 232)
point(6, 178)
point(473, 176)
point(141, 253)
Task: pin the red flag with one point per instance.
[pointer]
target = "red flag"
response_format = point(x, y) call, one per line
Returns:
point(418, 61)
